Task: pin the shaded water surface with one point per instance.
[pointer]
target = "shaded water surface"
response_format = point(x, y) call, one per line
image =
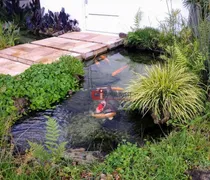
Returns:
point(73, 115)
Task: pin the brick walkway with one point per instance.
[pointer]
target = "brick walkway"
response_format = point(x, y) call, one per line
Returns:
point(83, 45)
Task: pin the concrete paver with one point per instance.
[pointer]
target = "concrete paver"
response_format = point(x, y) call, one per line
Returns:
point(86, 49)
point(110, 41)
point(32, 54)
point(11, 67)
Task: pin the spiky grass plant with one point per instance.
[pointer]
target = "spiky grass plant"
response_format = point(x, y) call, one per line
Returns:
point(168, 92)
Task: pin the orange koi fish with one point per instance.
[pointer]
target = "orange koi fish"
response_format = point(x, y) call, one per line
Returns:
point(113, 88)
point(110, 115)
point(119, 70)
point(103, 57)
point(97, 63)
point(117, 88)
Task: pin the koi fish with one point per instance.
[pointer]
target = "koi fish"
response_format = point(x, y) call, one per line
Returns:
point(113, 88)
point(110, 115)
point(97, 63)
point(103, 57)
point(117, 88)
point(119, 70)
point(101, 107)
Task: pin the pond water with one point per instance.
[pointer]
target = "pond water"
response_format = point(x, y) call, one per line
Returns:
point(74, 115)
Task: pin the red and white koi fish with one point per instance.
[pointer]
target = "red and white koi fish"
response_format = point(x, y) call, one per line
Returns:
point(101, 107)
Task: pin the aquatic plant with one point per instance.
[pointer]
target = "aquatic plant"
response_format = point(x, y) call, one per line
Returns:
point(168, 92)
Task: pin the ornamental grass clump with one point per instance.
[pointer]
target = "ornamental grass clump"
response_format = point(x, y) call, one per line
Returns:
point(167, 92)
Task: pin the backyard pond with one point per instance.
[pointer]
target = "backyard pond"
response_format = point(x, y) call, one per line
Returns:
point(105, 78)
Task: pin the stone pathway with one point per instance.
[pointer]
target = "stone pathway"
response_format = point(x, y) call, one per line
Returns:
point(83, 45)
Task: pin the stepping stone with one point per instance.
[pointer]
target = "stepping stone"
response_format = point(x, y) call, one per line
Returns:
point(110, 41)
point(11, 67)
point(86, 49)
point(33, 54)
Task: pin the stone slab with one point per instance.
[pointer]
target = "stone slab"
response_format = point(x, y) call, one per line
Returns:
point(108, 40)
point(86, 49)
point(11, 67)
point(32, 54)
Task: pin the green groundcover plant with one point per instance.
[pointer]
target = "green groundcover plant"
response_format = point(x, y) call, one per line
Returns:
point(39, 87)
point(170, 159)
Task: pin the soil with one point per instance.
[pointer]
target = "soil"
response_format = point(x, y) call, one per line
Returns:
point(197, 174)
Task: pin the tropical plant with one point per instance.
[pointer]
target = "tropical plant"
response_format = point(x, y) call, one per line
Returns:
point(11, 10)
point(31, 17)
point(197, 5)
point(51, 150)
point(9, 34)
point(168, 92)
point(146, 38)
point(50, 22)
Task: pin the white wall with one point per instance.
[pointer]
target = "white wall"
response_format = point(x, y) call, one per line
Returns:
point(153, 10)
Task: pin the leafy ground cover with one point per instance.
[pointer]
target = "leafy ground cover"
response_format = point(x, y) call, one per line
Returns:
point(39, 87)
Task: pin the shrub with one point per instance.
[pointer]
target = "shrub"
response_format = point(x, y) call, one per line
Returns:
point(9, 34)
point(146, 38)
point(168, 91)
